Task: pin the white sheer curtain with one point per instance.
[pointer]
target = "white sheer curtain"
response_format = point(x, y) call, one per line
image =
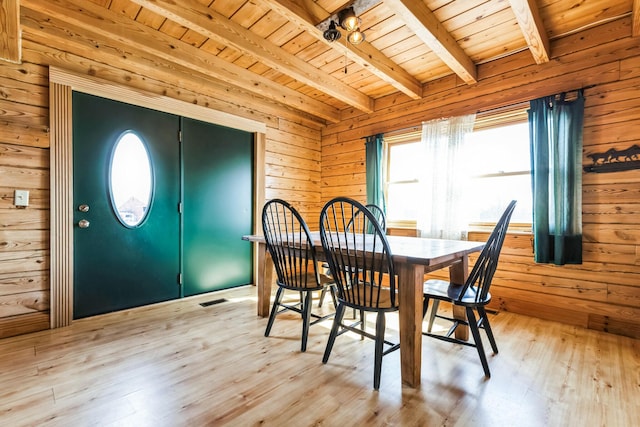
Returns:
point(443, 178)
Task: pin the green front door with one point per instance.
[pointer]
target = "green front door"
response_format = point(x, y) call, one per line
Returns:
point(218, 182)
point(118, 265)
point(186, 238)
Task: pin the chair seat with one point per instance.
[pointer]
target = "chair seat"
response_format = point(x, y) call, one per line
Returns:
point(308, 282)
point(325, 279)
point(363, 291)
point(445, 291)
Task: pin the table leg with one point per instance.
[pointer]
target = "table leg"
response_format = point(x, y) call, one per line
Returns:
point(458, 273)
point(410, 280)
point(263, 279)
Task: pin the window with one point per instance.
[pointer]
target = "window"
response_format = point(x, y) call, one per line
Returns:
point(130, 180)
point(497, 159)
point(500, 170)
point(403, 163)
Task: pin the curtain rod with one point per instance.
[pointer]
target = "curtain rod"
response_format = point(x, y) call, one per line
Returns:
point(571, 90)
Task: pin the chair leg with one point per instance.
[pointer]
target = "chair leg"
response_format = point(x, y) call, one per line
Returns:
point(377, 364)
point(274, 310)
point(363, 323)
point(432, 316)
point(425, 306)
point(333, 289)
point(337, 320)
point(487, 328)
point(473, 325)
point(306, 319)
point(322, 293)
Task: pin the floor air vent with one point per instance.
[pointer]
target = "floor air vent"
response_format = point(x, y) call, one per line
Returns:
point(213, 302)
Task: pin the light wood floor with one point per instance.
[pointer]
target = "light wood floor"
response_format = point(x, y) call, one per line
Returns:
point(181, 364)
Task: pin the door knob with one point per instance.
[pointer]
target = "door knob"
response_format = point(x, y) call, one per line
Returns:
point(83, 223)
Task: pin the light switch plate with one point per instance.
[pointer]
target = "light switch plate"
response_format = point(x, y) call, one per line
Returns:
point(21, 198)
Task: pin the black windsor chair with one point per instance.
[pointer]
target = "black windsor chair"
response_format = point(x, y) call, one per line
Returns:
point(294, 258)
point(358, 254)
point(473, 294)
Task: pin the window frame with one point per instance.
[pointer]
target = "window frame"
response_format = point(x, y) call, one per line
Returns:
point(407, 137)
point(494, 118)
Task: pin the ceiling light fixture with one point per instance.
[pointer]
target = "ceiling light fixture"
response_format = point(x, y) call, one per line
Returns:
point(348, 20)
point(332, 33)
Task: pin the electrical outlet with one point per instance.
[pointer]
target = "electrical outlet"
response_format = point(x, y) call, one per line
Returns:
point(21, 198)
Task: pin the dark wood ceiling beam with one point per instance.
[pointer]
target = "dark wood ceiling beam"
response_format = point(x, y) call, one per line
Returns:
point(205, 21)
point(10, 31)
point(419, 18)
point(307, 16)
point(528, 18)
point(130, 34)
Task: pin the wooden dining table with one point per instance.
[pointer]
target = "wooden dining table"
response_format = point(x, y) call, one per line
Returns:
point(413, 257)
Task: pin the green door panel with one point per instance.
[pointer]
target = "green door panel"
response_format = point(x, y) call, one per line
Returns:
point(218, 203)
point(117, 267)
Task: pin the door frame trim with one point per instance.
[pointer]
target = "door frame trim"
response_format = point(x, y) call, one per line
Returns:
point(62, 83)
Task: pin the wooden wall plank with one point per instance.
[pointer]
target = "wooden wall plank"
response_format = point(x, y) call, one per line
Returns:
point(23, 261)
point(21, 90)
point(23, 303)
point(307, 186)
point(21, 240)
point(613, 325)
point(17, 155)
point(289, 150)
point(14, 283)
point(24, 135)
point(23, 324)
point(348, 170)
point(624, 295)
point(10, 39)
point(29, 115)
point(17, 177)
point(504, 301)
point(24, 219)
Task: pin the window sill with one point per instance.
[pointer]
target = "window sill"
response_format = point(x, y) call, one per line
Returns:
point(514, 228)
point(521, 229)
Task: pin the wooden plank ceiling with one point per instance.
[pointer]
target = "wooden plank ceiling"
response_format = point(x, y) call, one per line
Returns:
point(275, 48)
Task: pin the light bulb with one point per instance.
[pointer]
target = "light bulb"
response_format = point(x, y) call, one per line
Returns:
point(356, 37)
point(348, 19)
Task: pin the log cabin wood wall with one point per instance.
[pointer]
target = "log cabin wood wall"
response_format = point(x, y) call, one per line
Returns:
point(604, 292)
point(308, 164)
point(292, 157)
